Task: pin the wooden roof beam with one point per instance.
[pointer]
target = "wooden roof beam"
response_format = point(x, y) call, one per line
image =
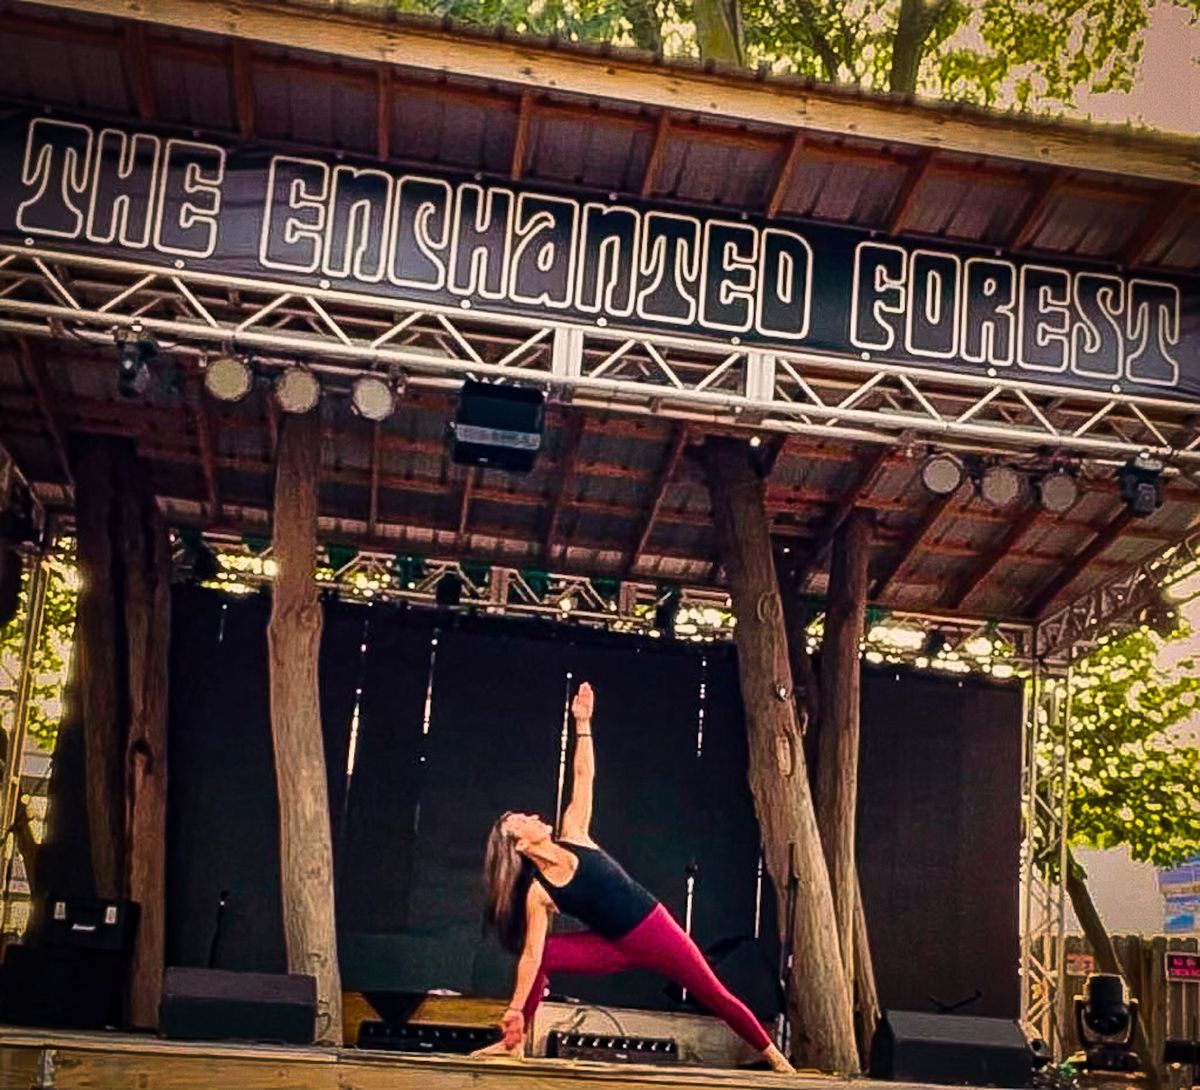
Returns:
point(1029, 220)
point(918, 171)
point(1158, 218)
point(385, 98)
point(521, 139)
point(993, 557)
point(138, 70)
point(1075, 567)
point(470, 478)
point(373, 503)
point(784, 178)
point(658, 152)
point(241, 73)
point(679, 438)
point(32, 363)
point(870, 470)
point(912, 544)
point(204, 444)
point(567, 463)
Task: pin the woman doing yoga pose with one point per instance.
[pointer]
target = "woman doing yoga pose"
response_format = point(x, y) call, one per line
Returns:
point(529, 874)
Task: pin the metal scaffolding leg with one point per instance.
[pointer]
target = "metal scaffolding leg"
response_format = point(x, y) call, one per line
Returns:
point(38, 580)
point(1044, 795)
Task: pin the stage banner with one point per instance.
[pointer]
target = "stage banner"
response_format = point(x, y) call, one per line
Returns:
point(203, 203)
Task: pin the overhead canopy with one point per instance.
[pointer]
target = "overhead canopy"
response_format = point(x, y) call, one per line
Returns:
point(615, 493)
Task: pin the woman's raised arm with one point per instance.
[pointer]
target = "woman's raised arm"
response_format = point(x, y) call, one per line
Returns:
point(577, 818)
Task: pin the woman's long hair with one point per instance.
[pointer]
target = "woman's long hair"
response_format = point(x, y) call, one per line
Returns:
point(506, 879)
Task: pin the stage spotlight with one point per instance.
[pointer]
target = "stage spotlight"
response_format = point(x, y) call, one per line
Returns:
point(942, 474)
point(756, 440)
point(448, 591)
point(566, 603)
point(228, 378)
point(198, 563)
point(1000, 486)
point(297, 390)
point(133, 363)
point(1058, 492)
point(372, 398)
point(1105, 1020)
point(1141, 484)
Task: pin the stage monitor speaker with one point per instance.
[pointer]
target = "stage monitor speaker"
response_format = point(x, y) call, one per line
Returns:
point(90, 923)
point(498, 426)
point(63, 987)
point(423, 1037)
point(218, 1005)
point(954, 1049)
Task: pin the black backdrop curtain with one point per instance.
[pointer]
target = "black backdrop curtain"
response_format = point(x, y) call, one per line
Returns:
point(939, 790)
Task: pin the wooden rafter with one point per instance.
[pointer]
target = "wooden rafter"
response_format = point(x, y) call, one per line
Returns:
point(470, 476)
point(521, 140)
point(1071, 571)
point(990, 560)
point(32, 366)
point(138, 70)
point(1157, 219)
point(906, 195)
point(675, 450)
point(385, 96)
point(573, 428)
point(1039, 200)
point(912, 544)
point(242, 74)
point(870, 470)
point(204, 444)
point(784, 178)
point(373, 511)
point(658, 150)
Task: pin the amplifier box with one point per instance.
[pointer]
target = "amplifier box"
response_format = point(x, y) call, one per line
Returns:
point(612, 1049)
point(218, 1005)
point(90, 923)
point(414, 1037)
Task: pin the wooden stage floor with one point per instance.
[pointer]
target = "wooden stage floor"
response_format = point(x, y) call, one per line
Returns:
point(65, 1060)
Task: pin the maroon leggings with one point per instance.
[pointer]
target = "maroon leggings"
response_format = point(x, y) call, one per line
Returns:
point(657, 943)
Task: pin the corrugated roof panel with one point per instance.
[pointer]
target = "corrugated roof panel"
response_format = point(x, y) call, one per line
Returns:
point(1086, 225)
point(965, 206)
point(189, 92)
point(583, 150)
point(715, 172)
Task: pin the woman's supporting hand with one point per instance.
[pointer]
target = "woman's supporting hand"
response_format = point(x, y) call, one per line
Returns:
point(513, 1025)
point(583, 704)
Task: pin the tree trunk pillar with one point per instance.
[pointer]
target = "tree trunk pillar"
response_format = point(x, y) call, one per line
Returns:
point(837, 764)
point(820, 1007)
point(294, 638)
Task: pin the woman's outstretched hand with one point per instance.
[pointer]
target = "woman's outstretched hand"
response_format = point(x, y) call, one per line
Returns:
point(513, 1027)
point(582, 705)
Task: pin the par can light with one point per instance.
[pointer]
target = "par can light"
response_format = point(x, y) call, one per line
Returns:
point(372, 398)
point(228, 378)
point(1000, 486)
point(297, 390)
point(942, 474)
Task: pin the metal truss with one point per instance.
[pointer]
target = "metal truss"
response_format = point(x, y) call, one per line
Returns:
point(1116, 603)
point(57, 293)
point(700, 613)
point(1045, 780)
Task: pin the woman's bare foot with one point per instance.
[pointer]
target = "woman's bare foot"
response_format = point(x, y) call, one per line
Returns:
point(778, 1061)
point(514, 1051)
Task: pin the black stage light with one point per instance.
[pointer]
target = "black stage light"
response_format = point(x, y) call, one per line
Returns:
point(133, 363)
point(198, 563)
point(498, 426)
point(666, 611)
point(1141, 484)
point(1105, 1020)
point(448, 590)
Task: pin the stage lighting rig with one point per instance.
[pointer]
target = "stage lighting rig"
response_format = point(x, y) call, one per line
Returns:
point(297, 390)
point(372, 398)
point(942, 474)
point(1106, 1020)
point(1058, 492)
point(448, 590)
point(1141, 484)
point(228, 378)
point(135, 350)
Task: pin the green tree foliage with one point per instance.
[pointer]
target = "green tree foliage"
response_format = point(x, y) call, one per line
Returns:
point(1133, 777)
point(1037, 54)
point(51, 656)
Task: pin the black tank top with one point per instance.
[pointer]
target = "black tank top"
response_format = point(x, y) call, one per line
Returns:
point(600, 894)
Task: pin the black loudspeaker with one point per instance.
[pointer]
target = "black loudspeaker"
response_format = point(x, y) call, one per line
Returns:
point(62, 987)
point(955, 1049)
point(498, 426)
point(89, 923)
point(216, 1005)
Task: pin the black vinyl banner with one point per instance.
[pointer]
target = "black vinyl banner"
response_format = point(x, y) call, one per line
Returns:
point(605, 260)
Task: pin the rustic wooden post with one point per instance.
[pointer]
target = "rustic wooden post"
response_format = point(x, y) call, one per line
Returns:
point(148, 629)
point(837, 764)
point(820, 1006)
point(95, 665)
point(294, 637)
